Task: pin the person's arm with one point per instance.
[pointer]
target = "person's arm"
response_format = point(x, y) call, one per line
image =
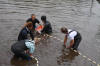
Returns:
point(71, 44)
point(30, 54)
point(24, 34)
point(31, 34)
point(27, 52)
point(31, 46)
point(44, 28)
point(37, 21)
point(65, 40)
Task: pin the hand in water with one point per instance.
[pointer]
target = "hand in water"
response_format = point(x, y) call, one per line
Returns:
point(37, 40)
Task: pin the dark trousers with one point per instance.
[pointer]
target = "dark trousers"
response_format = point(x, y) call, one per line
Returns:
point(22, 55)
point(77, 41)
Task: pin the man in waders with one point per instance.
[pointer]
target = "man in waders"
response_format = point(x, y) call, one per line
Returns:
point(73, 35)
point(23, 49)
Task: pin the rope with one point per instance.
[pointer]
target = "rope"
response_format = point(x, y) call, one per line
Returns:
point(94, 62)
point(37, 62)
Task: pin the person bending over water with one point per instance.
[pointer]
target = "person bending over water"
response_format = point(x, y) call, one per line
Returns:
point(23, 49)
point(47, 26)
point(25, 31)
point(73, 35)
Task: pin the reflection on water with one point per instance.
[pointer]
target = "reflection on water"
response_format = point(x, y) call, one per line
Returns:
point(68, 55)
point(19, 62)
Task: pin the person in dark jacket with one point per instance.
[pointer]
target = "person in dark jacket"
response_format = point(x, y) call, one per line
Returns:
point(74, 36)
point(34, 20)
point(23, 49)
point(47, 26)
point(25, 31)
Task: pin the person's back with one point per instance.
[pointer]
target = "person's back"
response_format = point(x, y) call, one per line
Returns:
point(23, 34)
point(47, 26)
point(74, 36)
point(25, 31)
point(23, 49)
point(19, 46)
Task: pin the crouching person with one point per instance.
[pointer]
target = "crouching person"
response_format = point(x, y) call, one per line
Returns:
point(23, 35)
point(47, 26)
point(23, 49)
point(74, 36)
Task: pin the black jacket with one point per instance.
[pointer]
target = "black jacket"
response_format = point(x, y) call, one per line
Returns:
point(47, 28)
point(19, 47)
point(23, 34)
point(33, 22)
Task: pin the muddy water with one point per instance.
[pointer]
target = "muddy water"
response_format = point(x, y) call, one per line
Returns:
point(82, 15)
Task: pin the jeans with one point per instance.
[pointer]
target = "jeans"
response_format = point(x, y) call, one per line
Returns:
point(77, 40)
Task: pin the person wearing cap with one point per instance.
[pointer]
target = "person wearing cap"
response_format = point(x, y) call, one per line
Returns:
point(47, 26)
point(23, 49)
point(74, 36)
point(25, 31)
